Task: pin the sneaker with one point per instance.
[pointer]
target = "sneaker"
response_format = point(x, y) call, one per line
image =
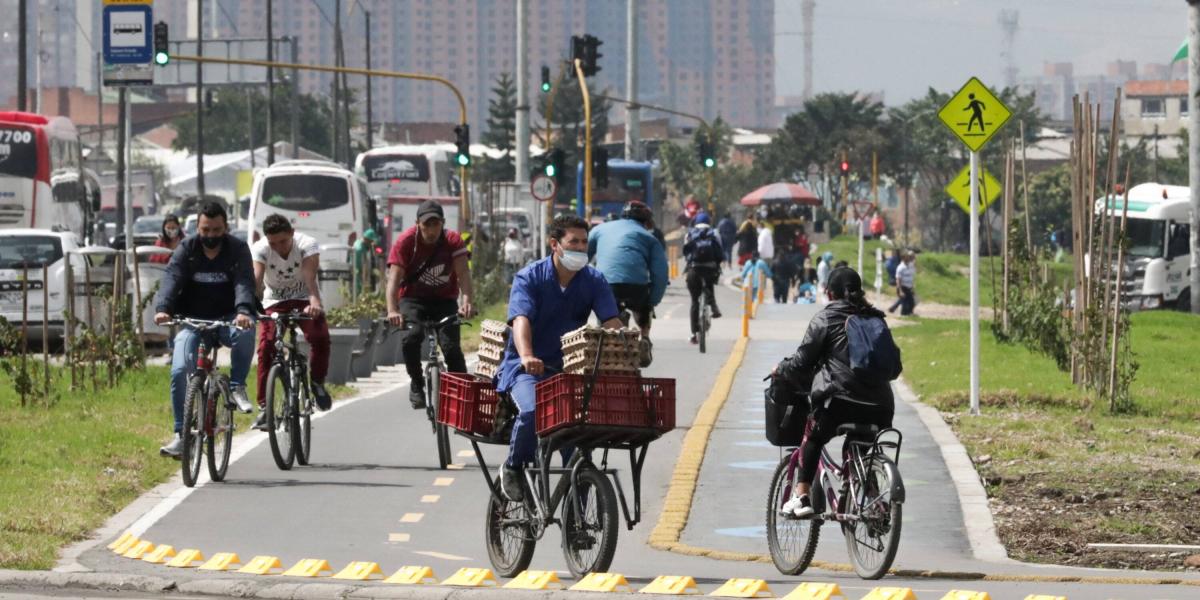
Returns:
point(241, 399)
point(260, 422)
point(716, 314)
point(324, 402)
point(646, 350)
point(173, 449)
point(695, 339)
point(799, 507)
point(510, 484)
point(416, 396)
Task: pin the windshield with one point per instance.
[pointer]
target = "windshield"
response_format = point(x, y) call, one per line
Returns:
point(29, 251)
point(147, 226)
point(1145, 237)
point(304, 193)
point(406, 167)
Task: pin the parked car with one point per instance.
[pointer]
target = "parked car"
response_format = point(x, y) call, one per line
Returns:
point(26, 251)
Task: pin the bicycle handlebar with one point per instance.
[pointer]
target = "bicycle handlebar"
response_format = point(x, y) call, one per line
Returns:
point(445, 322)
point(200, 324)
point(293, 315)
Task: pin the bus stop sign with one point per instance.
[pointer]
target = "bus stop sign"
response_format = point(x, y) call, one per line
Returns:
point(127, 26)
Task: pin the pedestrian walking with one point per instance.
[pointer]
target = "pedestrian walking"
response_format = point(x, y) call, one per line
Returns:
point(727, 231)
point(906, 275)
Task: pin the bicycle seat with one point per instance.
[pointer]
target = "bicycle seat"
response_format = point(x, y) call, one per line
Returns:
point(858, 430)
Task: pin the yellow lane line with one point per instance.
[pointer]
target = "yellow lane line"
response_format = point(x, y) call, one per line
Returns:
point(412, 517)
point(430, 499)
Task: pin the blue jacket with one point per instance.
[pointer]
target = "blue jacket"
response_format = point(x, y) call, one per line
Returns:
point(626, 253)
point(753, 268)
point(728, 231)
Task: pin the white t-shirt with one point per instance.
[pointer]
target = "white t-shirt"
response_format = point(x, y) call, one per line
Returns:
point(282, 277)
point(766, 244)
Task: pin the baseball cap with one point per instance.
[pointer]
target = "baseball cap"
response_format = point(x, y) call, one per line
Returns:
point(430, 208)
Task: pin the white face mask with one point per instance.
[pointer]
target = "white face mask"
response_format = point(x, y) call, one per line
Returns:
point(572, 260)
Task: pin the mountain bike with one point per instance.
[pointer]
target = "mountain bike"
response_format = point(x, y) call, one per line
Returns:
point(434, 367)
point(289, 402)
point(207, 407)
point(864, 494)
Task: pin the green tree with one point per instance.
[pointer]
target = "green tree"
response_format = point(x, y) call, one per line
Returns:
point(1049, 203)
point(501, 131)
point(568, 130)
point(239, 113)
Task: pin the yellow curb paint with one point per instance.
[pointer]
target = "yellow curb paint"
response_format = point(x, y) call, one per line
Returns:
point(398, 537)
point(222, 561)
point(744, 588)
point(124, 546)
point(672, 584)
point(263, 565)
point(815, 591)
point(309, 567)
point(412, 517)
point(966, 595)
point(602, 582)
point(186, 558)
point(454, 467)
point(443, 481)
point(360, 571)
point(160, 555)
point(470, 577)
point(890, 593)
point(139, 550)
point(412, 575)
point(120, 540)
point(535, 580)
point(430, 499)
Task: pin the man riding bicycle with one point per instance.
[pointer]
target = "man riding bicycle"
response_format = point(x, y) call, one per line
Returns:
point(632, 260)
point(428, 280)
point(549, 298)
point(285, 271)
point(703, 250)
point(837, 393)
point(209, 277)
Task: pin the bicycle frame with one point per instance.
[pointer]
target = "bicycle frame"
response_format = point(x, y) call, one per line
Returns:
point(834, 477)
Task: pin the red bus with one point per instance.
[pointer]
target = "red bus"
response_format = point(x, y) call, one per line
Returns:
point(42, 180)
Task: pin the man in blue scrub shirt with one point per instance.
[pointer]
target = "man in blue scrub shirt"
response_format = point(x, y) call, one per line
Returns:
point(549, 298)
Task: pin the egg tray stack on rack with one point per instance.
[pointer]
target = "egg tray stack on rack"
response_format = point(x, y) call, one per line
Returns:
point(620, 351)
point(492, 337)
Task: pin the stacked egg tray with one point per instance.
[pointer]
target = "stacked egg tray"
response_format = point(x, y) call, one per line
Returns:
point(492, 337)
point(620, 352)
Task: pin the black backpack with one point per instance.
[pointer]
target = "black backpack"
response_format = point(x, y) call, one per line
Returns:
point(874, 356)
point(706, 247)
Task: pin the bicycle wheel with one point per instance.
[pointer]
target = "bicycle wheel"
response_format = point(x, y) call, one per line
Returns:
point(792, 541)
point(279, 430)
point(220, 441)
point(305, 405)
point(704, 317)
point(872, 540)
point(441, 433)
point(510, 542)
point(589, 531)
point(193, 430)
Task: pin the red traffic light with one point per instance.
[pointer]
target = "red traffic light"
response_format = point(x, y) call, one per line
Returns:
point(845, 166)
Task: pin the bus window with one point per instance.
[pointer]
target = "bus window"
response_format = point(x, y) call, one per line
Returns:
point(18, 152)
point(405, 167)
point(305, 192)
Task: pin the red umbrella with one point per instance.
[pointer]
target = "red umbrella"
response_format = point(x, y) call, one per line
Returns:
point(781, 192)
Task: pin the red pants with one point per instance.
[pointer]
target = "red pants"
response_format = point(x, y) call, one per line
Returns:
point(316, 332)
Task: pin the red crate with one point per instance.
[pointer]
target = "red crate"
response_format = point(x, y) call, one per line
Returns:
point(617, 401)
point(467, 403)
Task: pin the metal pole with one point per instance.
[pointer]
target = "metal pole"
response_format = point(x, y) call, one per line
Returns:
point(370, 114)
point(270, 86)
point(127, 184)
point(1194, 145)
point(336, 149)
point(633, 123)
point(122, 116)
point(973, 218)
point(521, 176)
point(22, 57)
point(295, 109)
point(587, 141)
point(200, 100)
point(100, 100)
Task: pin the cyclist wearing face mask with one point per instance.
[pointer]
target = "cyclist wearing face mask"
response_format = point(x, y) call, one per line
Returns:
point(209, 277)
point(549, 298)
point(169, 238)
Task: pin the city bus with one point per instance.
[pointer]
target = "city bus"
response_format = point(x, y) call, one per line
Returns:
point(421, 170)
point(627, 180)
point(42, 181)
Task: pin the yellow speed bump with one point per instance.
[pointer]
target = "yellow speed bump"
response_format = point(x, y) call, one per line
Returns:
point(602, 582)
point(535, 580)
point(222, 561)
point(186, 558)
point(890, 593)
point(160, 555)
point(469, 577)
point(125, 545)
point(139, 550)
point(1044, 597)
point(121, 540)
point(360, 571)
point(263, 565)
point(412, 576)
point(815, 591)
point(672, 584)
point(965, 595)
point(744, 588)
point(309, 567)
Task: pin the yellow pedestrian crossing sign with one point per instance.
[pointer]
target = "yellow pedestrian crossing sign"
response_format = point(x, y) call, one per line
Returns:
point(960, 189)
point(974, 114)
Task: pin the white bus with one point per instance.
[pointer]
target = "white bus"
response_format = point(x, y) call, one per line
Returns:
point(320, 198)
point(408, 170)
point(42, 180)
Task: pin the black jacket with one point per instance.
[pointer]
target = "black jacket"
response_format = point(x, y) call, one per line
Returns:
point(822, 365)
point(194, 286)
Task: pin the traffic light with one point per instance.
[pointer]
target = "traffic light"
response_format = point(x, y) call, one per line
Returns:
point(545, 79)
point(585, 49)
point(462, 142)
point(845, 167)
point(707, 156)
point(554, 163)
point(161, 55)
point(600, 166)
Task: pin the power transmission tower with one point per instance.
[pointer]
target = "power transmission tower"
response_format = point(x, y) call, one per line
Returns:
point(1009, 23)
point(806, 14)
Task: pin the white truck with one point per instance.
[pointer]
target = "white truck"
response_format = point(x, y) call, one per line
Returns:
point(1156, 272)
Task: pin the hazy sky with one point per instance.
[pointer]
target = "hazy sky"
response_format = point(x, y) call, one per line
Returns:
point(902, 47)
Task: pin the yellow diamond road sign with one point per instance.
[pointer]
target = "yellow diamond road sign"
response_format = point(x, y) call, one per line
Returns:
point(960, 189)
point(974, 114)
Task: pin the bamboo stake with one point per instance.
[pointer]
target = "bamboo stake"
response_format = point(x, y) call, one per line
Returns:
point(24, 330)
point(69, 319)
point(87, 275)
point(1116, 335)
point(46, 334)
point(1109, 226)
point(1076, 236)
point(135, 311)
point(113, 322)
point(1008, 168)
point(1025, 186)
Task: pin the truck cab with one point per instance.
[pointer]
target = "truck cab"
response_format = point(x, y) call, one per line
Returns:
point(1157, 263)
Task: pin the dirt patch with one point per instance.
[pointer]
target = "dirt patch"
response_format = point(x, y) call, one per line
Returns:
point(928, 310)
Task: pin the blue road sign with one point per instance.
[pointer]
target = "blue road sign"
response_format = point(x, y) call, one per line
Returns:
point(127, 31)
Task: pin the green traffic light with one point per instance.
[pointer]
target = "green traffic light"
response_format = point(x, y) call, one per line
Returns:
point(545, 87)
point(161, 58)
point(709, 162)
point(550, 172)
point(463, 160)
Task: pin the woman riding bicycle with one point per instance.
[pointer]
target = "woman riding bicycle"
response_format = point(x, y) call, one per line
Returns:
point(837, 394)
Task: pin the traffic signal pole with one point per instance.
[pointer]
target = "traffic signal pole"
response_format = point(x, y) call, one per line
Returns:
point(587, 140)
point(462, 104)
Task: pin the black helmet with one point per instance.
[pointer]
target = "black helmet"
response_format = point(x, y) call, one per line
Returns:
point(638, 211)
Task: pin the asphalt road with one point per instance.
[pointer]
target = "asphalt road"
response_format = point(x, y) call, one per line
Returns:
point(374, 492)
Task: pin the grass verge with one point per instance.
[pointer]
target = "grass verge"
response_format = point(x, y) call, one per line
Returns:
point(66, 468)
point(1060, 471)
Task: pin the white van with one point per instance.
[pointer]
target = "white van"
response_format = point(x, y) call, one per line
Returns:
point(27, 251)
point(1158, 259)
